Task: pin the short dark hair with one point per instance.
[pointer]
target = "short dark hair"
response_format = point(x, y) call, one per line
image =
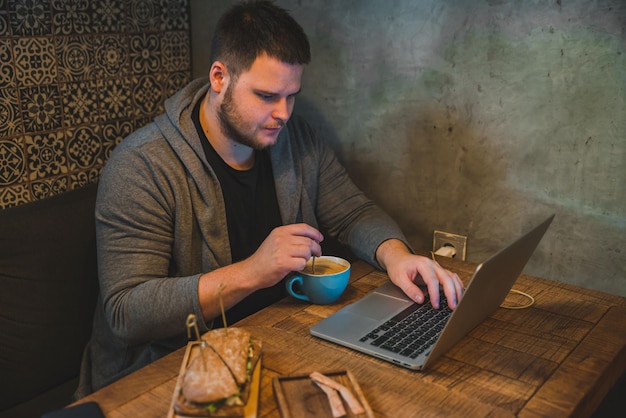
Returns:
point(252, 28)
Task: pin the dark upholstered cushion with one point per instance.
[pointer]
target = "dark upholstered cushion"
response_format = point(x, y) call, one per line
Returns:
point(48, 288)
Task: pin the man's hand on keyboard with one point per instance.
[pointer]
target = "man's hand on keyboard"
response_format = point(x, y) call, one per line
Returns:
point(407, 271)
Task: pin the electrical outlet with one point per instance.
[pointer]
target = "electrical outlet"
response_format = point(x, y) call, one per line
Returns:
point(446, 239)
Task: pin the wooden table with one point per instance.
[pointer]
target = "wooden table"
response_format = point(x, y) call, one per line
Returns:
point(557, 358)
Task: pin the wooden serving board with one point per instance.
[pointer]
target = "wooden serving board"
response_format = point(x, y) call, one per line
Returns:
point(299, 397)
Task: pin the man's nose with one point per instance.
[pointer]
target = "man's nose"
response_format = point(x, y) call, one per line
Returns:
point(283, 109)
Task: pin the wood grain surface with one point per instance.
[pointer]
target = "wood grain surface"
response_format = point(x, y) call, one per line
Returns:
point(556, 358)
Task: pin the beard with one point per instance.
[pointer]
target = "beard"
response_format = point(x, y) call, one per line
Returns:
point(232, 123)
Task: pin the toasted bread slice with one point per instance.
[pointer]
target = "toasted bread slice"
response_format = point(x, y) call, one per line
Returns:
point(232, 346)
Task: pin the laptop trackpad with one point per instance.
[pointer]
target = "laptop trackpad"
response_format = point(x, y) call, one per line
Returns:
point(377, 306)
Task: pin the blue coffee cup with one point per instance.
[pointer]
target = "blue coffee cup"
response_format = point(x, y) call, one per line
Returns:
point(323, 286)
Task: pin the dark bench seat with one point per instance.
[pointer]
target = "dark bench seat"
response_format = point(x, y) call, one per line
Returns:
point(48, 290)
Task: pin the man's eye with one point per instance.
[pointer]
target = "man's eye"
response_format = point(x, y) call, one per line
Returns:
point(266, 97)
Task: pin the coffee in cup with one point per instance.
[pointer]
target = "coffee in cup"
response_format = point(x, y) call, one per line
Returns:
point(322, 286)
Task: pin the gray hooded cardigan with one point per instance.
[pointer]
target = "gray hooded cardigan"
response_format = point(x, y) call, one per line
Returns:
point(161, 223)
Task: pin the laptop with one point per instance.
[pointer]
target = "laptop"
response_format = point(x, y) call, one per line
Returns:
point(428, 333)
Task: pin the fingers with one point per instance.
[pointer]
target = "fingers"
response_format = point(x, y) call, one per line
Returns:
point(437, 278)
point(450, 283)
point(300, 250)
point(453, 289)
point(459, 289)
point(421, 270)
point(289, 247)
point(301, 240)
point(303, 230)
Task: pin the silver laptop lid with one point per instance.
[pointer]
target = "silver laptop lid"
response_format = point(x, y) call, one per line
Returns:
point(491, 282)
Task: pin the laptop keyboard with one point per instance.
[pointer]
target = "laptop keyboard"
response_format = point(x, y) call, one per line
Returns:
point(412, 331)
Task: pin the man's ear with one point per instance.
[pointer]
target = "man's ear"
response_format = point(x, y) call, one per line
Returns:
point(218, 75)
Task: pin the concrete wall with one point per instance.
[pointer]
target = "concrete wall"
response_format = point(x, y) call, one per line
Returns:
point(476, 117)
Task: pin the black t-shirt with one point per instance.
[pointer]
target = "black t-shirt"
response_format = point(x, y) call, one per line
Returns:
point(251, 214)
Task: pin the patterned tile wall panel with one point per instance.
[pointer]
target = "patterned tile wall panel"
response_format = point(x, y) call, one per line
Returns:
point(76, 76)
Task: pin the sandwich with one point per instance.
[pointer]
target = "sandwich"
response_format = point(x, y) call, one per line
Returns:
point(217, 381)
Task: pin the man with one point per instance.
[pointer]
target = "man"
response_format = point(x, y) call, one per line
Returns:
point(227, 191)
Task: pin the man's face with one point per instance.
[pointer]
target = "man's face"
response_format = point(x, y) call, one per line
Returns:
point(258, 103)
